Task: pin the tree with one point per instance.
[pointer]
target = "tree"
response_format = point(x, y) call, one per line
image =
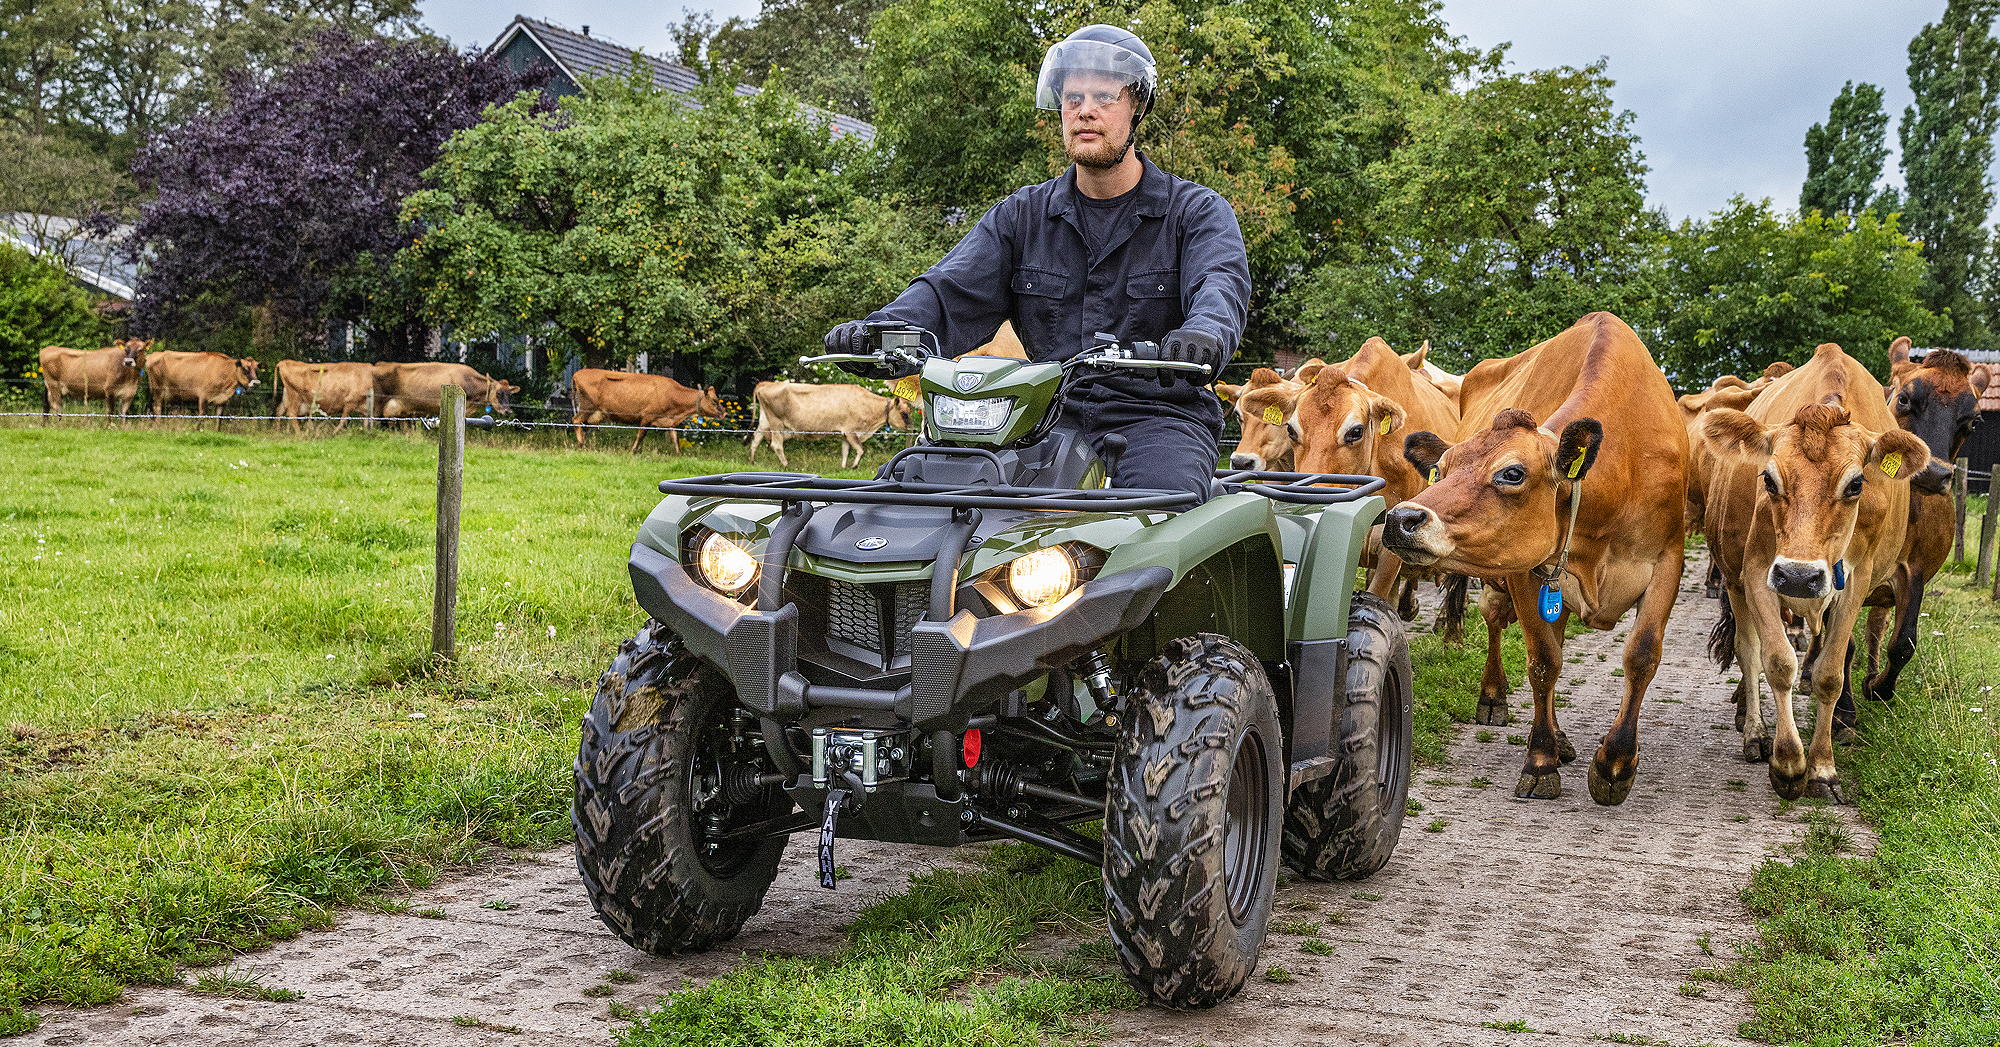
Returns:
point(1514, 208)
point(288, 198)
point(821, 45)
point(1844, 155)
point(54, 182)
point(1947, 140)
point(1748, 286)
point(40, 305)
point(628, 220)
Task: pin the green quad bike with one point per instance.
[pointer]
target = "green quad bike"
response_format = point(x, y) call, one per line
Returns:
point(983, 642)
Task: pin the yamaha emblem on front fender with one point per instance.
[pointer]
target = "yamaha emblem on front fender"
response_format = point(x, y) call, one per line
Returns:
point(967, 381)
point(871, 542)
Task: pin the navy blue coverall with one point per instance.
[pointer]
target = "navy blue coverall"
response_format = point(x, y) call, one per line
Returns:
point(1174, 259)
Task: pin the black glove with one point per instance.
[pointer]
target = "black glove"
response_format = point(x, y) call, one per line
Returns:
point(857, 337)
point(1190, 346)
point(850, 337)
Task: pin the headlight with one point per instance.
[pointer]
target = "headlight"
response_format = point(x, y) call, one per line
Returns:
point(725, 563)
point(1042, 577)
point(970, 416)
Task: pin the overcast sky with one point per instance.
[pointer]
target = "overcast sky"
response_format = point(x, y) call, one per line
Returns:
point(1723, 89)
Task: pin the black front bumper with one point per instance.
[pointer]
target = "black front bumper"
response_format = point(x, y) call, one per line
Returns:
point(958, 668)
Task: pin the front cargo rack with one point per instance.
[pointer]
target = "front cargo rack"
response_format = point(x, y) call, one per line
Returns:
point(1304, 488)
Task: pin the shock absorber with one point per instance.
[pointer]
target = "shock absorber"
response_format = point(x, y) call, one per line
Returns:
point(1095, 670)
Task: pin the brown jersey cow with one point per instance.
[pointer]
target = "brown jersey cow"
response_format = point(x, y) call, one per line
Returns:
point(628, 398)
point(1585, 420)
point(112, 373)
point(1446, 382)
point(1938, 400)
point(803, 407)
point(1263, 405)
point(1807, 509)
point(325, 388)
point(202, 379)
point(415, 389)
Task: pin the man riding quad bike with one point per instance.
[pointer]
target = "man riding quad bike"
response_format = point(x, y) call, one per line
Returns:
point(987, 642)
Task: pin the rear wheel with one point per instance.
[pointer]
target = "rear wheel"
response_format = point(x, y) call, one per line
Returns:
point(1191, 823)
point(653, 786)
point(1345, 825)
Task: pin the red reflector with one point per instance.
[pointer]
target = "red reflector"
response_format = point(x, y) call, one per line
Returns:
point(970, 750)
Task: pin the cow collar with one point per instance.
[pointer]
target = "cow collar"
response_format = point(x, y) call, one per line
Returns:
point(1550, 600)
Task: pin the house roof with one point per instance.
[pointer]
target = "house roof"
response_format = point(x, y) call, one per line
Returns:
point(94, 262)
point(579, 55)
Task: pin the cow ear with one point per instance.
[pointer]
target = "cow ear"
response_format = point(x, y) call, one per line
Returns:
point(1308, 372)
point(1416, 359)
point(1982, 376)
point(1423, 449)
point(1228, 392)
point(1732, 433)
point(1576, 450)
point(1386, 415)
point(1898, 455)
point(1899, 351)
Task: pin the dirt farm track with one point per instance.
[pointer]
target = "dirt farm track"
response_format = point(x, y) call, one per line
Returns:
point(1496, 917)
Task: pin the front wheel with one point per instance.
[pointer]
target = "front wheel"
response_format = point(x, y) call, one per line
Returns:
point(1345, 825)
point(658, 774)
point(1191, 823)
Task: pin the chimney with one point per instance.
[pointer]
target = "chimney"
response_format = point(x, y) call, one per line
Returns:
point(586, 30)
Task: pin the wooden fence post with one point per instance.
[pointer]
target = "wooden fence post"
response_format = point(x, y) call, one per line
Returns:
point(1958, 494)
point(369, 422)
point(451, 477)
point(1988, 521)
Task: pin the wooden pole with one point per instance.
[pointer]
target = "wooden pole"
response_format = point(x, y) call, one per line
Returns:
point(1988, 522)
point(451, 477)
point(1958, 493)
point(369, 423)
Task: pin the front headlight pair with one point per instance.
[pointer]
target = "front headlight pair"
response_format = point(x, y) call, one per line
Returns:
point(1037, 579)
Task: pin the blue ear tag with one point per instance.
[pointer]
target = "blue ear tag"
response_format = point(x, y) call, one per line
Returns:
point(239, 391)
point(1840, 574)
point(1551, 603)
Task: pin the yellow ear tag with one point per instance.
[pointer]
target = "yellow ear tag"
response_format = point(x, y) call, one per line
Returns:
point(1274, 416)
point(1388, 424)
point(1577, 466)
point(907, 389)
point(1892, 463)
point(1434, 474)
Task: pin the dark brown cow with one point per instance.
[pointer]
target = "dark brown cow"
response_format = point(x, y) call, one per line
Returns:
point(1938, 400)
point(855, 413)
point(1612, 438)
point(414, 389)
point(202, 379)
point(627, 398)
point(1807, 509)
point(112, 373)
point(325, 388)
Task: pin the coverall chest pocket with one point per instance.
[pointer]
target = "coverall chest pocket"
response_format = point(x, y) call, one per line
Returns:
point(1038, 303)
point(1156, 302)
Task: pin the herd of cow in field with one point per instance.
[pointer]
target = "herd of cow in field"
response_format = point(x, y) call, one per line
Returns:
point(1569, 476)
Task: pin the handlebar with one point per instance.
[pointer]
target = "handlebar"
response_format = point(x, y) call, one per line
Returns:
point(1105, 353)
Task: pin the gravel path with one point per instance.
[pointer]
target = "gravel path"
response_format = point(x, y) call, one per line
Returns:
point(1562, 917)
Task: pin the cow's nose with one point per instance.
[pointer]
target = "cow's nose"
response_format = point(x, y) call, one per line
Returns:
point(1934, 479)
point(1804, 580)
point(1244, 461)
point(1404, 522)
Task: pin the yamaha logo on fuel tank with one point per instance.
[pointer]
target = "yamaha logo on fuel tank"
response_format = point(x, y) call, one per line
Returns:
point(871, 542)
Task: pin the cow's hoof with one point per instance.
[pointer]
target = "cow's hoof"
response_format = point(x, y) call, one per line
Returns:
point(1846, 735)
point(1539, 786)
point(1492, 711)
point(1788, 786)
point(1565, 752)
point(1609, 789)
point(1878, 693)
point(1756, 750)
point(1827, 789)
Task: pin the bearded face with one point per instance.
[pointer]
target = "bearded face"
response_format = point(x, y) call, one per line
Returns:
point(1097, 113)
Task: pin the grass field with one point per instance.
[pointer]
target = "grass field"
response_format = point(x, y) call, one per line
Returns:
point(1903, 946)
point(217, 724)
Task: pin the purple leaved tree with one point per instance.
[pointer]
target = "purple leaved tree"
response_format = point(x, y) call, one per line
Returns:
point(285, 199)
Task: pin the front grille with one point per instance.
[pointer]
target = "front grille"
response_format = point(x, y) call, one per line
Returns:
point(875, 618)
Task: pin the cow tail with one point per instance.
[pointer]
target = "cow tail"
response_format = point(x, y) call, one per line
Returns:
point(1454, 600)
point(1722, 638)
point(580, 401)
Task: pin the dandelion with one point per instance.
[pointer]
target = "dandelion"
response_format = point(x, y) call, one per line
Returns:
point(418, 716)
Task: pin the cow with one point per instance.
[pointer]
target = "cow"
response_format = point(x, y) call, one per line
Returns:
point(202, 379)
point(325, 388)
point(1262, 406)
point(1352, 419)
point(1005, 344)
point(802, 407)
point(112, 373)
point(1938, 400)
point(413, 389)
point(1446, 382)
point(645, 400)
point(1567, 489)
point(1807, 508)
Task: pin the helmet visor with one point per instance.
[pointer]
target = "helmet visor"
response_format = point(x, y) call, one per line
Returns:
point(1115, 69)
